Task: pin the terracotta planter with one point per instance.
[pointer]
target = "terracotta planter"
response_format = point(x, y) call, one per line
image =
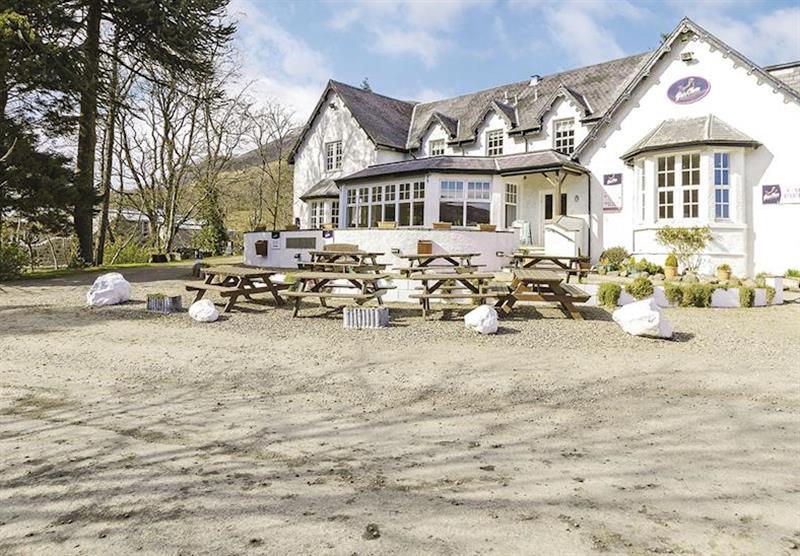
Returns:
point(487, 227)
point(442, 225)
point(670, 272)
point(723, 275)
point(387, 225)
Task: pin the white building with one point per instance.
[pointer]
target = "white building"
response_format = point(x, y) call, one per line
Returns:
point(690, 134)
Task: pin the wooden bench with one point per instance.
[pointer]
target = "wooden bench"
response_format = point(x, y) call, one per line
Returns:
point(234, 282)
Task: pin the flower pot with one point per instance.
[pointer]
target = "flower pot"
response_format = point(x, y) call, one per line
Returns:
point(670, 272)
point(387, 225)
point(487, 227)
point(442, 225)
point(723, 275)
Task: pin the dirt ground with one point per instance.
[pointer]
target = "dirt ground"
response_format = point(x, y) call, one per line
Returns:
point(125, 432)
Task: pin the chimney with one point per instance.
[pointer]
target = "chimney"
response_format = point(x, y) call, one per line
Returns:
point(535, 78)
point(505, 97)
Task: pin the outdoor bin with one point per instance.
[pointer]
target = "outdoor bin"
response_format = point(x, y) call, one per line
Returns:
point(261, 248)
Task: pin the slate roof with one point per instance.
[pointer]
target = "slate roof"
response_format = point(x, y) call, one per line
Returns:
point(705, 130)
point(504, 165)
point(323, 189)
point(789, 73)
point(598, 86)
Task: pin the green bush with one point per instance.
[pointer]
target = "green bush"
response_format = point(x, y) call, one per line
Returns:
point(12, 259)
point(746, 296)
point(697, 295)
point(671, 260)
point(646, 266)
point(686, 243)
point(761, 280)
point(673, 293)
point(131, 253)
point(770, 294)
point(614, 256)
point(608, 294)
point(640, 288)
point(793, 273)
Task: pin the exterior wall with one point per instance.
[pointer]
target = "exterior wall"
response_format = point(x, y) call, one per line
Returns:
point(436, 132)
point(561, 109)
point(493, 121)
point(759, 241)
point(358, 151)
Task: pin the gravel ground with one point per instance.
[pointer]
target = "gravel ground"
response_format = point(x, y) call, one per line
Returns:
point(122, 431)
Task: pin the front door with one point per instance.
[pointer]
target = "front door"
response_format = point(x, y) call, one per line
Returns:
point(546, 213)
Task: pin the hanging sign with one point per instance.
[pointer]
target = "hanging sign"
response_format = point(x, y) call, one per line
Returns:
point(612, 192)
point(780, 195)
point(688, 90)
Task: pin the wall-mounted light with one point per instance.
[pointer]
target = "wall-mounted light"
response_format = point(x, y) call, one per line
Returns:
point(577, 198)
point(395, 251)
point(296, 256)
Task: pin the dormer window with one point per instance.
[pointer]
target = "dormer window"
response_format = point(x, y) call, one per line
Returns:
point(436, 147)
point(333, 155)
point(494, 142)
point(564, 135)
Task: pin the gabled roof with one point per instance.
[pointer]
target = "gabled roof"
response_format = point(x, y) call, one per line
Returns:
point(323, 189)
point(685, 132)
point(594, 88)
point(685, 26)
point(788, 72)
point(448, 124)
point(385, 120)
point(512, 164)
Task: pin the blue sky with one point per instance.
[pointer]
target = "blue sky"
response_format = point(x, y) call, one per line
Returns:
point(424, 50)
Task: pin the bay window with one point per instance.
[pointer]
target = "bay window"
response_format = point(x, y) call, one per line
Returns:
point(317, 214)
point(690, 185)
point(666, 186)
point(335, 213)
point(722, 186)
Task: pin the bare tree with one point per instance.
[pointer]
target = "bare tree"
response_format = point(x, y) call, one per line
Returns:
point(270, 133)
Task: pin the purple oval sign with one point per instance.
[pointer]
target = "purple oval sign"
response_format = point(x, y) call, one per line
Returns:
point(688, 90)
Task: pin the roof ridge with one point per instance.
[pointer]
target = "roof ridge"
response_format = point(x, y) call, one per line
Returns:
point(342, 83)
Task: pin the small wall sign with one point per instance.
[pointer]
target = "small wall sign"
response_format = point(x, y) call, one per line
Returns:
point(780, 195)
point(612, 192)
point(688, 90)
point(327, 234)
point(276, 235)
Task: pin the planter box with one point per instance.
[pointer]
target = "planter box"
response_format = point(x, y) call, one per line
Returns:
point(387, 225)
point(163, 304)
point(442, 225)
point(487, 227)
point(366, 317)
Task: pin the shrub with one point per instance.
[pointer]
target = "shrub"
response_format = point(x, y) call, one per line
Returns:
point(793, 273)
point(640, 288)
point(761, 280)
point(125, 252)
point(770, 294)
point(746, 296)
point(671, 260)
point(646, 266)
point(608, 294)
point(697, 295)
point(614, 256)
point(12, 259)
point(674, 293)
point(686, 243)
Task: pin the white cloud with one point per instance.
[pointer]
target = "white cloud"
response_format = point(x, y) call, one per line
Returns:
point(280, 66)
point(406, 27)
point(766, 39)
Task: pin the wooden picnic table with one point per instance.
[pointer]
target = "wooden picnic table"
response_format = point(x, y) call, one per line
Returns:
point(453, 259)
point(357, 256)
point(542, 285)
point(319, 284)
point(340, 266)
point(232, 282)
point(451, 286)
point(571, 265)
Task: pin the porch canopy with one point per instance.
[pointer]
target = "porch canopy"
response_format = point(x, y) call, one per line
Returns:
point(552, 165)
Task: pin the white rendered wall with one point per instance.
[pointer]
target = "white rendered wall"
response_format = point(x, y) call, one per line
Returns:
point(736, 97)
point(561, 109)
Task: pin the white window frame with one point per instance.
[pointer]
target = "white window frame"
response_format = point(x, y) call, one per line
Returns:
point(642, 182)
point(333, 156)
point(335, 213)
point(722, 184)
point(436, 147)
point(465, 192)
point(564, 135)
point(495, 142)
point(690, 186)
point(317, 210)
point(511, 198)
point(376, 198)
point(668, 204)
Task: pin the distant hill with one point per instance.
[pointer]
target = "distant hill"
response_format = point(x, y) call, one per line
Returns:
point(251, 158)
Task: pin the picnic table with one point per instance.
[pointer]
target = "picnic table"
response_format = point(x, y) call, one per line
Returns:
point(571, 265)
point(233, 282)
point(340, 256)
point(542, 285)
point(457, 262)
point(340, 266)
point(365, 286)
point(451, 286)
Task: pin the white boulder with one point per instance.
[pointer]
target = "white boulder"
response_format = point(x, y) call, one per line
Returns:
point(482, 319)
point(643, 318)
point(203, 311)
point(108, 289)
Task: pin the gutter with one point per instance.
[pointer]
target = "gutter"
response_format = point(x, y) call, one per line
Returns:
point(589, 200)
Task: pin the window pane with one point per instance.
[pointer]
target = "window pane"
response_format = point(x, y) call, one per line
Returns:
point(405, 214)
point(548, 207)
point(419, 214)
point(451, 212)
point(363, 216)
point(511, 215)
point(376, 215)
point(477, 213)
point(389, 212)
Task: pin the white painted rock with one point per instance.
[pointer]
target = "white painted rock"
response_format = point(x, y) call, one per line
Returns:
point(482, 319)
point(108, 289)
point(643, 318)
point(203, 311)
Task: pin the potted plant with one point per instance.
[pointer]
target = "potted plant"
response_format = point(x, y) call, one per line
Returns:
point(724, 272)
point(442, 225)
point(487, 227)
point(671, 266)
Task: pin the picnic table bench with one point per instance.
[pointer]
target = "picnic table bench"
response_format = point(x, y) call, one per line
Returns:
point(233, 282)
point(570, 265)
point(452, 286)
point(317, 284)
point(541, 285)
point(341, 266)
point(420, 260)
point(345, 255)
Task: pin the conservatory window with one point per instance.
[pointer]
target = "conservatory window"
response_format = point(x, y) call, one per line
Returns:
point(363, 207)
point(511, 204)
point(451, 203)
point(352, 221)
point(478, 203)
point(666, 186)
point(460, 209)
point(690, 185)
point(335, 213)
point(722, 189)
